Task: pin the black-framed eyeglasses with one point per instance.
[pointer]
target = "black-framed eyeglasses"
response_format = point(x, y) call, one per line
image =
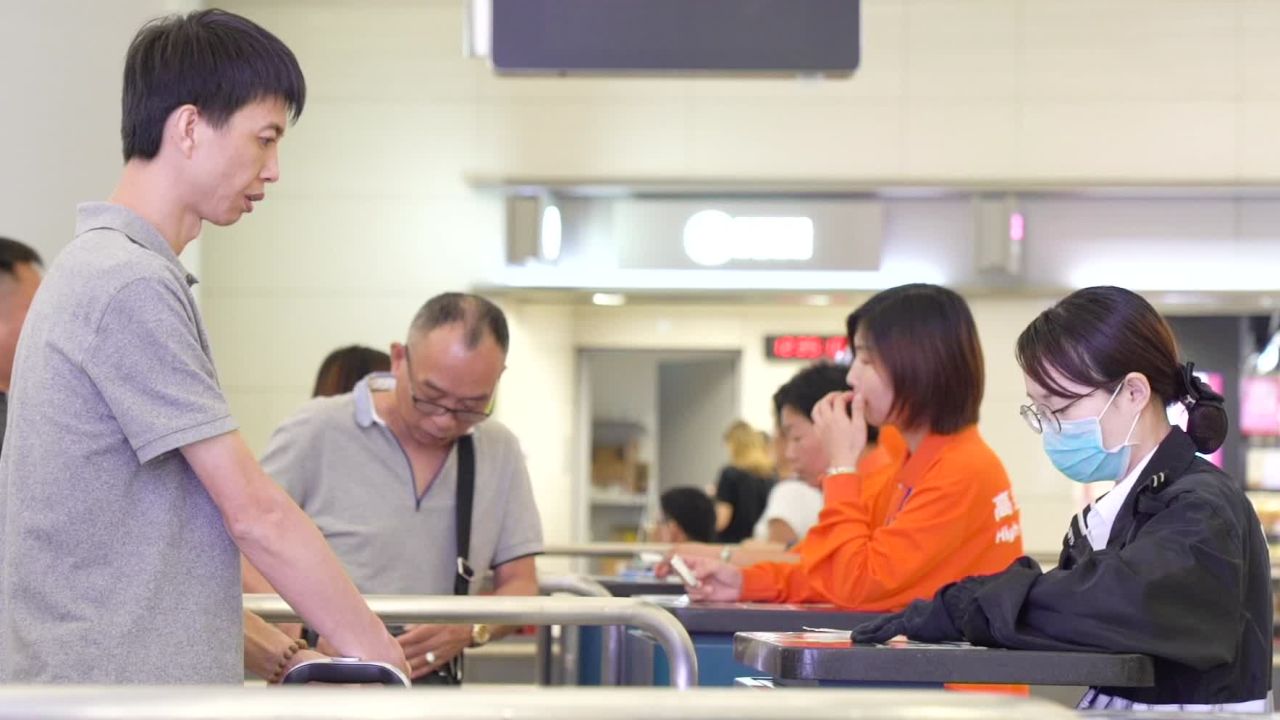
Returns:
point(1040, 417)
point(431, 408)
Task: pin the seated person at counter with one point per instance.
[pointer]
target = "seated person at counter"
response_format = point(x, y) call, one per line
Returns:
point(794, 503)
point(383, 472)
point(949, 512)
point(804, 452)
point(1171, 563)
point(742, 489)
point(687, 515)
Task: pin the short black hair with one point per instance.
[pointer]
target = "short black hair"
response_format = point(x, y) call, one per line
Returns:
point(691, 509)
point(213, 59)
point(803, 391)
point(14, 253)
point(478, 315)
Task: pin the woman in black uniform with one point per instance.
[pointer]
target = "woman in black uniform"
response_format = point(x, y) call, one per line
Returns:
point(1172, 563)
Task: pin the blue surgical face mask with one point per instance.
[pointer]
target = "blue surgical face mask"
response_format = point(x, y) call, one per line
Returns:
point(1077, 450)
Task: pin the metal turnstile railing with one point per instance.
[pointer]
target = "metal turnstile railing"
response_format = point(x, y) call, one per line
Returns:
point(573, 611)
point(557, 646)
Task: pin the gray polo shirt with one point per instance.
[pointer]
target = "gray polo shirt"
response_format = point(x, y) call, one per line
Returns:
point(346, 469)
point(115, 566)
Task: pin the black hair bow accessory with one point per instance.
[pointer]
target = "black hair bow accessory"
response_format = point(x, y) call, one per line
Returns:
point(1196, 391)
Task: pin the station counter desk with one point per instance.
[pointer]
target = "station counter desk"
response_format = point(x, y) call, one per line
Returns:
point(831, 659)
point(712, 627)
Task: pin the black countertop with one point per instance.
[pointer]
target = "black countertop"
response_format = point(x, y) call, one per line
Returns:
point(832, 657)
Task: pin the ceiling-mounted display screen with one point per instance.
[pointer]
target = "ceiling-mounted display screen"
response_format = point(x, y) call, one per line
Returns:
point(676, 36)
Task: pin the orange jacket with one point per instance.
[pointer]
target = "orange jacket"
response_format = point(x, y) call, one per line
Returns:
point(898, 531)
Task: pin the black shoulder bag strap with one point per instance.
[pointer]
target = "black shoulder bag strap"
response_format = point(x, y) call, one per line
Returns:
point(462, 518)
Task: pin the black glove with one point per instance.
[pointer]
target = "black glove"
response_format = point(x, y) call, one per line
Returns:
point(880, 630)
point(927, 621)
point(941, 619)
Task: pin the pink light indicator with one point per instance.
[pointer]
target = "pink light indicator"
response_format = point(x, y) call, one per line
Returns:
point(1017, 227)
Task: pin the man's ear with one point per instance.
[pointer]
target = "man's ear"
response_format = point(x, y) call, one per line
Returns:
point(182, 127)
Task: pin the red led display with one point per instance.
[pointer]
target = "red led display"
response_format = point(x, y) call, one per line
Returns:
point(805, 347)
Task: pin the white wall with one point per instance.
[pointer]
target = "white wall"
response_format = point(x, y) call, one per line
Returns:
point(61, 63)
point(697, 399)
point(373, 213)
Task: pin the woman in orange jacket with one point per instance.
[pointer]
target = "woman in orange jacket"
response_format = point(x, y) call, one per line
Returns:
point(899, 528)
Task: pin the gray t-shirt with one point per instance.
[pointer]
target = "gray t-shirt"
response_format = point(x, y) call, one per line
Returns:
point(115, 566)
point(346, 469)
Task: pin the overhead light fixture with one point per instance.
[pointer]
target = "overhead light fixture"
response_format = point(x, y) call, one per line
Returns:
point(609, 299)
point(549, 239)
point(714, 237)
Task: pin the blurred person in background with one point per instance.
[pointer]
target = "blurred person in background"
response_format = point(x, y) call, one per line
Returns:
point(795, 501)
point(688, 515)
point(346, 366)
point(803, 450)
point(20, 271)
point(743, 486)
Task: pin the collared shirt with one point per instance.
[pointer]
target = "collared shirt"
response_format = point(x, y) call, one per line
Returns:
point(115, 564)
point(1098, 518)
point(342, 464)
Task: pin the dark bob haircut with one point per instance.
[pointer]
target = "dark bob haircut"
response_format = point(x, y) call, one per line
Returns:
point(924, 339)
point(344, 367)
point(1096, 336)
point(212, 59)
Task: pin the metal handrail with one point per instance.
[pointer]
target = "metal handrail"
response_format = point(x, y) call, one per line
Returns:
point(63, 702)
point(670, 634)
point(606, 549)
point(579, 585)
point(611, 636)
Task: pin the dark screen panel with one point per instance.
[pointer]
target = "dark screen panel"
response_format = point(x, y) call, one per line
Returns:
point(788, 36)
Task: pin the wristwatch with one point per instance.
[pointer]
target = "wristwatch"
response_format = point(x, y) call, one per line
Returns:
point(480, 634)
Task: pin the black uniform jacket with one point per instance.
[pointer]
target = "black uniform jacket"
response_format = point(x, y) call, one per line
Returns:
point(1185, 578)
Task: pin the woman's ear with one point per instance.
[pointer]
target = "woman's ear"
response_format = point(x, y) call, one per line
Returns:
point(1135, 392)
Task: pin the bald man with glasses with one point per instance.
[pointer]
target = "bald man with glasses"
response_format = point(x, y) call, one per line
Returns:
point(415, 489)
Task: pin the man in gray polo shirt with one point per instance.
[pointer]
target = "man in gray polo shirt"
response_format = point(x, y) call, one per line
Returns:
point(378, 469)
point(125, 488)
